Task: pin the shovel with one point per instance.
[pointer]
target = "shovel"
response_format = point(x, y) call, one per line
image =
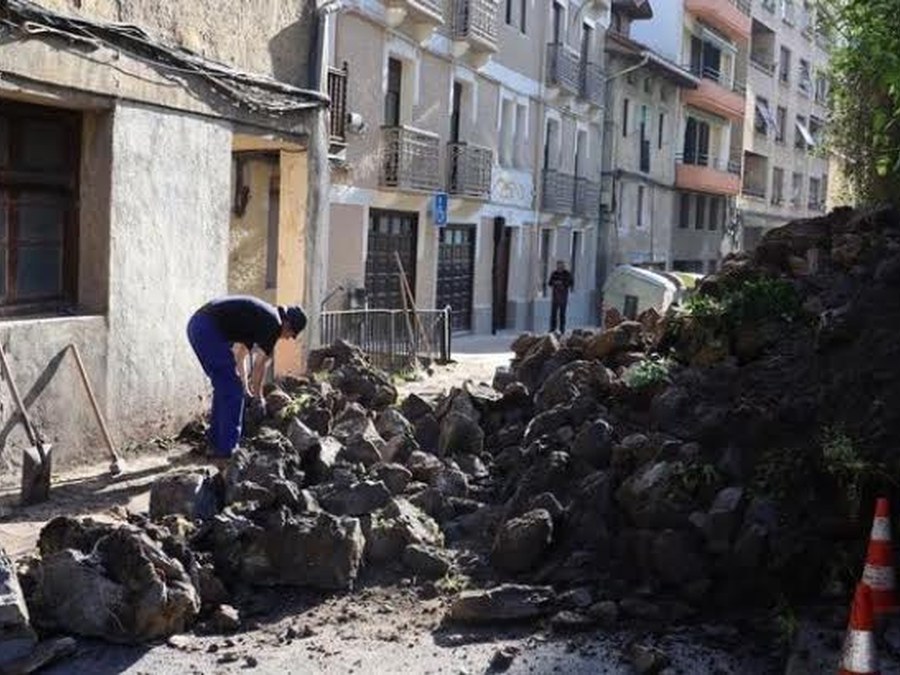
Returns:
point(36, 460)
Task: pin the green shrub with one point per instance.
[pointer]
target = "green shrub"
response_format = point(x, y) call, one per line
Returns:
point(648, 372)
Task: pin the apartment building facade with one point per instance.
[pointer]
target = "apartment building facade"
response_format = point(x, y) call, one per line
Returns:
point(785, 172)
point(495, 104)
point(642, 132)
point(709, 39)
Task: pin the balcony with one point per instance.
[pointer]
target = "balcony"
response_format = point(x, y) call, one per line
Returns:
point(337, 114)
point(469, 170)
point(732, 17)
point(717, 94)
point(473, 26)
point(558, 193)
point(420, 17)
point(410, 159)
point(593, 83)
point(563, 69)
point(701, 173)
point(587, 198)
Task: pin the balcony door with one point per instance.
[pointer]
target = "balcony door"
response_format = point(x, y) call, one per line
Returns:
point(587, 36)
point(696, 142)
point(706, 59)
point(456, 105)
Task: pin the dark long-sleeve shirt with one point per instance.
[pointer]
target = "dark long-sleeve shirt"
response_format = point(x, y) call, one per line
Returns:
point(560, 282)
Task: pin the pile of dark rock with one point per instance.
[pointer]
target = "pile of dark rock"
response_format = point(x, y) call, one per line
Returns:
point(657, 469)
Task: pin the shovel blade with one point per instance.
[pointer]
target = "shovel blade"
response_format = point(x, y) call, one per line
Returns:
point(36, 475)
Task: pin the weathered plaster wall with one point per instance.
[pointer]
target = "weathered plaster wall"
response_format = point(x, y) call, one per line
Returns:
point(258, 35)
point(168, 255)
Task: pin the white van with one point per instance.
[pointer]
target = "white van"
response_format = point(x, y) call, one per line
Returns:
point(631, 290)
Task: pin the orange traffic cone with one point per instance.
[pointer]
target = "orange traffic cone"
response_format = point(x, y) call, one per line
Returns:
point(878, 573)
point(858, 656)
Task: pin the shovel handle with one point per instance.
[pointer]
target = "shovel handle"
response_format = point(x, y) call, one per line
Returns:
point(90, 393)
point(7, 373)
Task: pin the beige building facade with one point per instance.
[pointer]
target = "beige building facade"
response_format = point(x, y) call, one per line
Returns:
point(499, 106)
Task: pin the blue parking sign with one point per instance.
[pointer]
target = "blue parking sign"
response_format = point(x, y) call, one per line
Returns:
point(440, 209)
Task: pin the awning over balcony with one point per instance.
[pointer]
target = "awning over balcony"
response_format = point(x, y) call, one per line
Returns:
point(804, 131)
point(763, 110)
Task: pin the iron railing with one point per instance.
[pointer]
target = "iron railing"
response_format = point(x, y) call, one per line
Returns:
point(720, 78)
point(758, 191)
point(563, 67)
point(469, 170)
point(763, 64)
point(558, 193)
point(337, 92)
point(392, 339)
point(410, 159)
point(587, 198)
point(475, 20)
point(593, 83)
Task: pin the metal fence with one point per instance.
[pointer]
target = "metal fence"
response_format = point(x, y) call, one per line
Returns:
point(392, 339)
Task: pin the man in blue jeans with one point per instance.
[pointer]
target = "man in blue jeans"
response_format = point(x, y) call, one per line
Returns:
point(252, 326)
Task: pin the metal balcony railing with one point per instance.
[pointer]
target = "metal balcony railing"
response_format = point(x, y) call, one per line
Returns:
point(697, 158)
point(563, 67)
point(469, 170)
point(719, 78)
point(587, 198)
point(593, 83)
point(763, 63)
point(743, 5)
point(410, 159)
point(558, 193)
point(434, 6)
point(337, 92)
point(475, 20)
point(758, 191)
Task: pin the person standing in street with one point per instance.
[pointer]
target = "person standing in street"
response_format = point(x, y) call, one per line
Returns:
point(222, 333)
point(560, 284)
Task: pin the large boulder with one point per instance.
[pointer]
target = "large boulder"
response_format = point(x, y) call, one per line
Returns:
point(357, 499)
point(531, 365)
point(414, 407)
point(396, 526)
point(196, 494)
point(460, 434)
point(275, 547)
point(391, 423)
point(593, 444)
point(395, 476)
point(653, 497)
point(521, 542)
point(266, 472)
point(624, 337)
point(365, 385)
point(573, 381)
point(305, 441)
point(16, 635)
point(508, 602)
point(427, 562)
point(122, 588)
point(335, 355)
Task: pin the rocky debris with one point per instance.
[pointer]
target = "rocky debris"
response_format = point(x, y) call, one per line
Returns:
point(109, 581)
point(391, 423)
point(647, 659)
point(459, 434)
point(274, 546)
point(395, 476)
point(16, 635)
point(505, 603)
point(357, 499)
point(568, 621)
point(196, 494)
point(225, 619)
point(503, 659)
point(427, 562)
point(521, 542)
point(399, 524)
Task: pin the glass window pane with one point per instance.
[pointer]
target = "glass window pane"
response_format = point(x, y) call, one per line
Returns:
point(41, 217)
point(39, 271)
point(43, 145)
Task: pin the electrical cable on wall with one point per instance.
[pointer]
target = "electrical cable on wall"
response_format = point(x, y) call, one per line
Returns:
point(255, 92)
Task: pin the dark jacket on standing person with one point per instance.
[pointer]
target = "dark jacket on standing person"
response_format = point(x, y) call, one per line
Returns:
point(560, 282)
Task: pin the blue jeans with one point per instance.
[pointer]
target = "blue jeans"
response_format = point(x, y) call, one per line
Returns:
point(215, 355)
